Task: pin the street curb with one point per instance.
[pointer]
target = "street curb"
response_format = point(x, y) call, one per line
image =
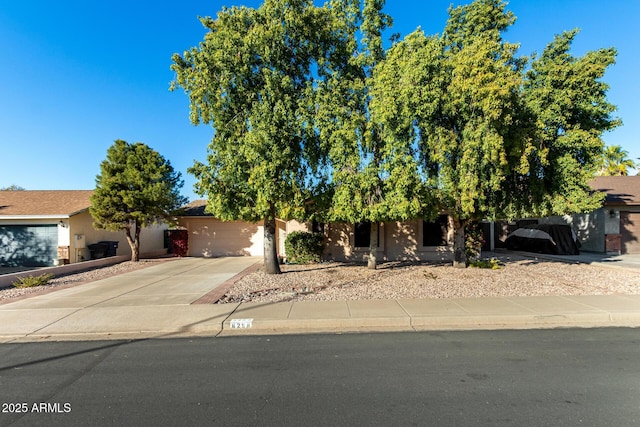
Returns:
point(433, 323)
point(357, 325)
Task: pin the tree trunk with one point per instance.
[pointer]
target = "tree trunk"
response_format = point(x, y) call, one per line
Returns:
point(459, 254)
point(373, 246)
point(271, 265)
point(134, 242)
point(135, 254)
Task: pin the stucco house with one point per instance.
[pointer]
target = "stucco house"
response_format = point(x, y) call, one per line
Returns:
point(613, 228)
point(50, 227)
point(409, 240)
point(620, 216)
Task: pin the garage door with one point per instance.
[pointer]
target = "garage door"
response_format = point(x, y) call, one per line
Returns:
point(212, 237)
point(630, 230)
point(28, 245)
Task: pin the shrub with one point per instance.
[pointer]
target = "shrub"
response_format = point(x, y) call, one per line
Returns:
point(31, 281)
point(303, 247)
point(492, 263)
point(179, 242)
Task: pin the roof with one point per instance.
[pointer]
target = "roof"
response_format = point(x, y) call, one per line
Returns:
point(44, 203)
point(195, 208)
point(620, 190)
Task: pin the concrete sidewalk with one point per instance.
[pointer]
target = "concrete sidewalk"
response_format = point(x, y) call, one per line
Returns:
point(158, 302)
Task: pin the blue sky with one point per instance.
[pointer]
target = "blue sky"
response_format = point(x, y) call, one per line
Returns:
point(76, 75)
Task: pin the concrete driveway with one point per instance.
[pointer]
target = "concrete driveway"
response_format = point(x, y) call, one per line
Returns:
point(181, 281)
point(154, 298)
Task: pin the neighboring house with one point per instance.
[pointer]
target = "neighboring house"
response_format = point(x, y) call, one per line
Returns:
point(50, 227)
point(620, 223)
point(614, 228)
point(409, 240)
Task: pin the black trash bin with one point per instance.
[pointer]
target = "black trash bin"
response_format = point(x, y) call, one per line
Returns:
point(98, 250)
point(111, 245)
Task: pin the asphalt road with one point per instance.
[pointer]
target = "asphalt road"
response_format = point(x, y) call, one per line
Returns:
point(586, 377)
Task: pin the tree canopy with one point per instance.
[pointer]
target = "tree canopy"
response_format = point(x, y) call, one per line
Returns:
point(253, 79)
point(498, 136)
point(374, 176)
point(136, 187)
point(456, 95)
point(567, 103)
point(12, 187)
point(308, 104)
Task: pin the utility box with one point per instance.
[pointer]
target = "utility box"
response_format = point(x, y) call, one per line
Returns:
point(80, 241)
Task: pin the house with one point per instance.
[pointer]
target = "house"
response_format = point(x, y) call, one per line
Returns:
point(51, 227)
point(620, 223)
point(408, 240)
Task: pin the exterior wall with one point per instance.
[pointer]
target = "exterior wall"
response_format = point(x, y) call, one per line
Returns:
point(399, 241)
point(281, 235)
point(151, 238)
point(339, 242)
point(294, 225)
point(211, 237)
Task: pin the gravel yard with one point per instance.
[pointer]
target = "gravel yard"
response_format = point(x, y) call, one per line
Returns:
point(347, 281)
point(517, 277)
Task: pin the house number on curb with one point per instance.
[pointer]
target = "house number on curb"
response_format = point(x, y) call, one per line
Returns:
point(241, 323)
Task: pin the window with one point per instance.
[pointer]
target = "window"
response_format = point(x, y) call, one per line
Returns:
point(435, 233)
point(362, 232)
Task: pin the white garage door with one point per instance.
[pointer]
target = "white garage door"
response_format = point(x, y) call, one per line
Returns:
point(211, 237)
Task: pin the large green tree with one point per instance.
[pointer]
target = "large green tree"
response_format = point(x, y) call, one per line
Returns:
point(616, 162)
point(566, 101)
point(456, 94)
point(136, 187)
point(253, 78)
point(375, 176)
point(499, 137)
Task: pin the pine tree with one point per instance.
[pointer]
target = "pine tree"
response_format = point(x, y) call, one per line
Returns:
point(136, 187)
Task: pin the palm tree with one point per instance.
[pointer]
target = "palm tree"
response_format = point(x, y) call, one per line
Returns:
point(616, 161)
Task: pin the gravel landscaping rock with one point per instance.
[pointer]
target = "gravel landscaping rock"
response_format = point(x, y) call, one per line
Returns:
point(518, 276)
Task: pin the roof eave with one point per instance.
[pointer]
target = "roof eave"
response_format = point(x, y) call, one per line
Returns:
point(10, 217)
